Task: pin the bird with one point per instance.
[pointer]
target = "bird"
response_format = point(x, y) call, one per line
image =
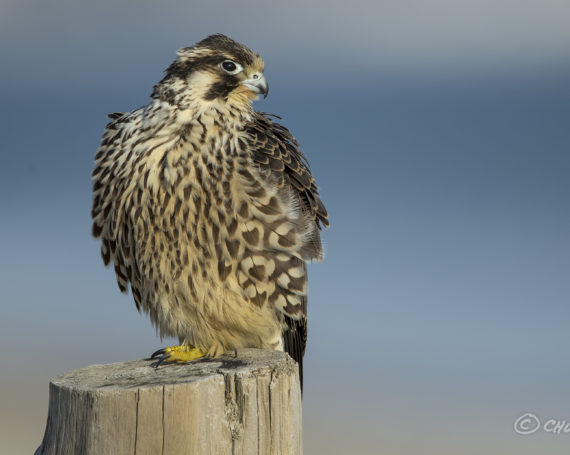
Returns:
point(208, 209)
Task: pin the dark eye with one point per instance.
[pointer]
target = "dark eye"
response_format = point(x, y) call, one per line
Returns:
point(231, 67)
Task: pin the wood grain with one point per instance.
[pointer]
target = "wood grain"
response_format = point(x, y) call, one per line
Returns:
point(249, 404)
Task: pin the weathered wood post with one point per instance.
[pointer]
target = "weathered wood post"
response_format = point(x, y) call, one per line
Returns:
point(249, 404)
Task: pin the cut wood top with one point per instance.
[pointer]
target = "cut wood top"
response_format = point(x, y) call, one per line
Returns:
point(141, 373)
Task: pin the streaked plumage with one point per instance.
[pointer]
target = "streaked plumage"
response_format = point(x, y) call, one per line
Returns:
point(208, 208)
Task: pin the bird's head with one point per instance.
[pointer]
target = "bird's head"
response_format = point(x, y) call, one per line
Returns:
point(215, 70)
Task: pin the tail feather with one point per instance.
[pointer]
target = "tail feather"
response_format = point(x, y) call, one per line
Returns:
point(295, 339)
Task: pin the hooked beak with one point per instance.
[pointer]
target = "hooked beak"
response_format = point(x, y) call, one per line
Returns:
point(257, 84)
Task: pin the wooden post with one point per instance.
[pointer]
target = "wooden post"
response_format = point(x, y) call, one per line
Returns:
point(249, 404)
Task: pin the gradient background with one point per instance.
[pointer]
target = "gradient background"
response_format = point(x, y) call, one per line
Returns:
point(439, 133)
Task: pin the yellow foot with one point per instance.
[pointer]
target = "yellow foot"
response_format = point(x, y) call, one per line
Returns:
point(177, 354)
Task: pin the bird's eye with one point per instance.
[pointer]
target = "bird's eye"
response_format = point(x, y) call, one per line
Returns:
point(231, 67)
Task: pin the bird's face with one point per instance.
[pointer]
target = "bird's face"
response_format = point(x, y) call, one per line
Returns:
point(216, 70)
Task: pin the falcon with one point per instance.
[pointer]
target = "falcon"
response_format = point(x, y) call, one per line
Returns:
point(208, 210)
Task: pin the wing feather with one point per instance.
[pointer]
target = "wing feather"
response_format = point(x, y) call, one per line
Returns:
point(277, 153)
point(275, 148)
point(109, 184)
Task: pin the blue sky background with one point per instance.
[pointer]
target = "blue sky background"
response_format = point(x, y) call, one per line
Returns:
point(439, 134)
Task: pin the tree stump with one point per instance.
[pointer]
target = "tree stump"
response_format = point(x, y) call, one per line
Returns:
point(244, 404)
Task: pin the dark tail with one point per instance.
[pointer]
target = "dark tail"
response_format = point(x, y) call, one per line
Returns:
point(295, 340)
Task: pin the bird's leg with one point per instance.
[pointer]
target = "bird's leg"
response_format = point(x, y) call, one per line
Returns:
point(177, 354)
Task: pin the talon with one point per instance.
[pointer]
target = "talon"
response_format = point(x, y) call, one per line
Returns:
point(161, 360)
point(176, 354)
point(157, 353)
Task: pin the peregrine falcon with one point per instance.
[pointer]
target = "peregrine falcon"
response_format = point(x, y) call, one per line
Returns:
point(208, 209)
